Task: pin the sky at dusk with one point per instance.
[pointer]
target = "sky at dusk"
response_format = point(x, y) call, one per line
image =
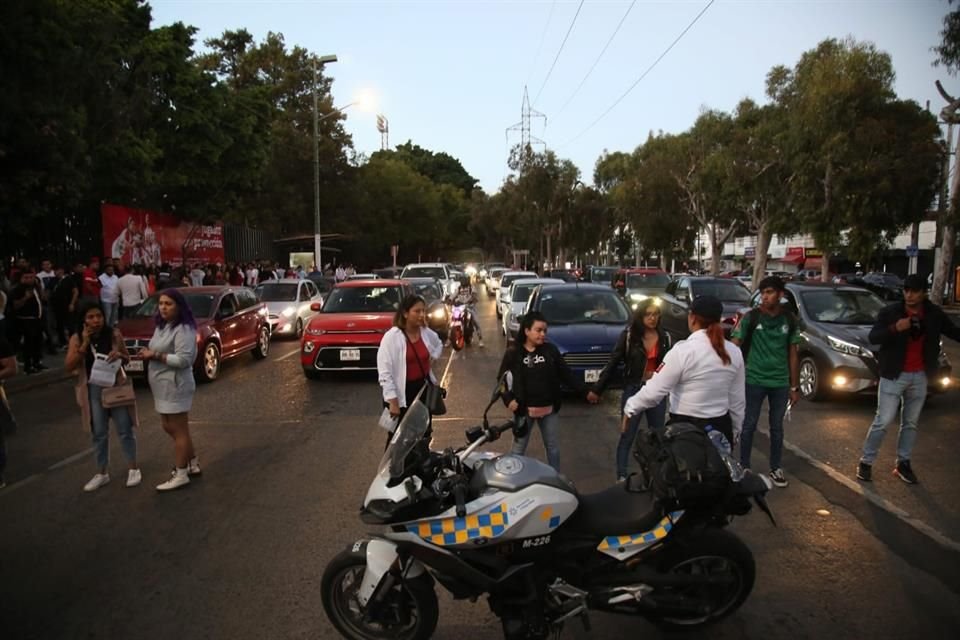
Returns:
point(450, 76)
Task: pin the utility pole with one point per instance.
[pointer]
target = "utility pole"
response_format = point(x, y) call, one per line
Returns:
point(950, 114)
point(317, 252)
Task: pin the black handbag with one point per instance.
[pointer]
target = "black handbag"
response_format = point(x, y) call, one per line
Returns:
point(433, 394)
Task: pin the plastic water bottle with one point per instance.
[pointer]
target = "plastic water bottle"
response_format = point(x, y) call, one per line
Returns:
point(723, 446)
point(719, 440)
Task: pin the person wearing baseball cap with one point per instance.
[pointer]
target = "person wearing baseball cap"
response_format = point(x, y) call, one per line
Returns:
point(703, 375)
point(908, 333)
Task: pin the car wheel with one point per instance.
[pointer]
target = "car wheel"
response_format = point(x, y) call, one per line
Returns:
point(811, 383)
point(263, 344)
point(210, 364)
point(299, 328)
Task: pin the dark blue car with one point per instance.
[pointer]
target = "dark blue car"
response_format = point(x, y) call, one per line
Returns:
point(584, 322)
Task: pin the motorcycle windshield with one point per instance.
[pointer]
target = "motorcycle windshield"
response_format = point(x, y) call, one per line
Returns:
point(409, 432)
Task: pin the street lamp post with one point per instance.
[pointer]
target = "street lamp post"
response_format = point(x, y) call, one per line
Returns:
point(317, 252)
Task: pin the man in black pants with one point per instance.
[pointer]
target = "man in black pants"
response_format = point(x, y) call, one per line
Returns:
point(28, 314)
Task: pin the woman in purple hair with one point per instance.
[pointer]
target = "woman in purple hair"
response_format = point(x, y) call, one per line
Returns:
point(171, 353)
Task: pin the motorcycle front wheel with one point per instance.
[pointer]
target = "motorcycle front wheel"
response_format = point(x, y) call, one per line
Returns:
point(409, 612)
point(714, 553)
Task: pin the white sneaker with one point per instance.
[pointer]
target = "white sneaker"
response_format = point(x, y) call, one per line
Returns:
point(177, 480)
point(480, 342)
point(96, 482)
point(134, 477)
point(193, 467)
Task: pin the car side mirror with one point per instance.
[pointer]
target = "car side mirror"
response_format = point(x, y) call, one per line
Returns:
point(316, 306)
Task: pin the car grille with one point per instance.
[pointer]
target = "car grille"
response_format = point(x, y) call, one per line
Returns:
point(588, 360)
point(135, 346)
point(329, 358)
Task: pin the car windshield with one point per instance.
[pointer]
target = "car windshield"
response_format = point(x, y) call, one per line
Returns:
point(521, 292)
point(505, 281)
point(409, 432)
point(429, 290)
point(602, 274)
point(424, 272)
point(842, 307)
point(201, 305)
point(281, 292)
point(647, 280)
point(363, 300)
point(724, 290)
point(577, 306)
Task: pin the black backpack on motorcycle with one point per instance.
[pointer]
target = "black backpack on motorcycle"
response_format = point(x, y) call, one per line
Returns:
point(681, 466)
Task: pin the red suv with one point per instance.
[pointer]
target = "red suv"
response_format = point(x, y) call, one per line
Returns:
point(346, 334)
point(230, 321)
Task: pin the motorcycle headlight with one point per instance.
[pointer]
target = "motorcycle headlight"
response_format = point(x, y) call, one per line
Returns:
point(848, 347)
point(638, 297)
point(483, 273)
point(288, 312)
point(439, 314)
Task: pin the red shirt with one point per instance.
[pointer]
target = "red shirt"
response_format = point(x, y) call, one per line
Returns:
point(913, 363)
point(91, 284)
point(652, 354)
point(418, 361)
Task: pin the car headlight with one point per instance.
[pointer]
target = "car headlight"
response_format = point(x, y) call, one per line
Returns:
point(439, 314)
point(470, 271)
point(315, 332)
point(848, 347)
point(288, 312)
point(638, 297)
point(483, 273)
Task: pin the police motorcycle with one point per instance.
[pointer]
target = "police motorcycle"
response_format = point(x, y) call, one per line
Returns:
point(514, 529)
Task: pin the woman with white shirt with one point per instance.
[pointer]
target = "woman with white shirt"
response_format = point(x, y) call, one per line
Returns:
point(171, 354)
point(703, 375)
point(405, 355)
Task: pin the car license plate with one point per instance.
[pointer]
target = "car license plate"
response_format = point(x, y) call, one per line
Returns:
point(349, 355)
point(591, 375)
point(134, 365)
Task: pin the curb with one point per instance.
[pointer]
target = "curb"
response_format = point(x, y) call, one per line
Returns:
point(22, 382)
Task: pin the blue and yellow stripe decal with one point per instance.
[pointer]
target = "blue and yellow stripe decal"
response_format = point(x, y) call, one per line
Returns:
point(659, 532)
point(450, 531)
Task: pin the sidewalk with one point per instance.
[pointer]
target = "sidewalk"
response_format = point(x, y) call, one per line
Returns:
point(23, 382)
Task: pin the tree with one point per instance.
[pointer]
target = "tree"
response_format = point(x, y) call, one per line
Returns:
point(864, 164)
point(948, 54)
point(440, 167)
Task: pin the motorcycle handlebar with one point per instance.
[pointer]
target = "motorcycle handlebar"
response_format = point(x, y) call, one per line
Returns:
point(459, 495)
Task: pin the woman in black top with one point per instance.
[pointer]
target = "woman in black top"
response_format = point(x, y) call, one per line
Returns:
point(640, 350)
point(537, 371)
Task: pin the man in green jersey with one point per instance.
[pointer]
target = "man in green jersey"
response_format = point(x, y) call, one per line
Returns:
point(768, 337)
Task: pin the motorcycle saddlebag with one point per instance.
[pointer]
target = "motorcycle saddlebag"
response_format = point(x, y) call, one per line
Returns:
point(680, 466)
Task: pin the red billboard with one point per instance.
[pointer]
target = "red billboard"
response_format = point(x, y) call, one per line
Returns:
point(139, 236)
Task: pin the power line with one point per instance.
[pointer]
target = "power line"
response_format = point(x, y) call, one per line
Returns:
point(642, 76)
point(543, 37)
point(597, 61)
point(557, 57)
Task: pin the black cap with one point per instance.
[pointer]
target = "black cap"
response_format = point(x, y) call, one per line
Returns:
point(915, 282)
point(707, 307)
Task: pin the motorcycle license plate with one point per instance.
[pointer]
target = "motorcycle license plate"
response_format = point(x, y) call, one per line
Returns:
point(134, 365)
point(349, 355)
point(591, 375)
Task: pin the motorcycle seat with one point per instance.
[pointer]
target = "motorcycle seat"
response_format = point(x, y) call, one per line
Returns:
point(615, 512)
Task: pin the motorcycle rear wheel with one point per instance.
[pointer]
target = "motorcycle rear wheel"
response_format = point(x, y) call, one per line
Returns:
point(456, 339)
point(714, 552)
point(410, 611)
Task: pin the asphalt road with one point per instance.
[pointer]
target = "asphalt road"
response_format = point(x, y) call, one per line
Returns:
point(239, 553)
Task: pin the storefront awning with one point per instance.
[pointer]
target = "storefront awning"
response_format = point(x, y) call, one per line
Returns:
point(794, 259)
point(813, 263)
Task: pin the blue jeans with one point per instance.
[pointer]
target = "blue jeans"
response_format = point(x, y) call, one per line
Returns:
point(550, 431)
point(656, 416)
point(777, 399)
point(907, 392)
point(100, 428)
point(110, 310)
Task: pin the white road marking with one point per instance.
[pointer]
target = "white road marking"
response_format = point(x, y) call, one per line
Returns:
point(445, 378)
point(288, 355)
point(73, 458)
point(447, 419)
point(872, 496)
